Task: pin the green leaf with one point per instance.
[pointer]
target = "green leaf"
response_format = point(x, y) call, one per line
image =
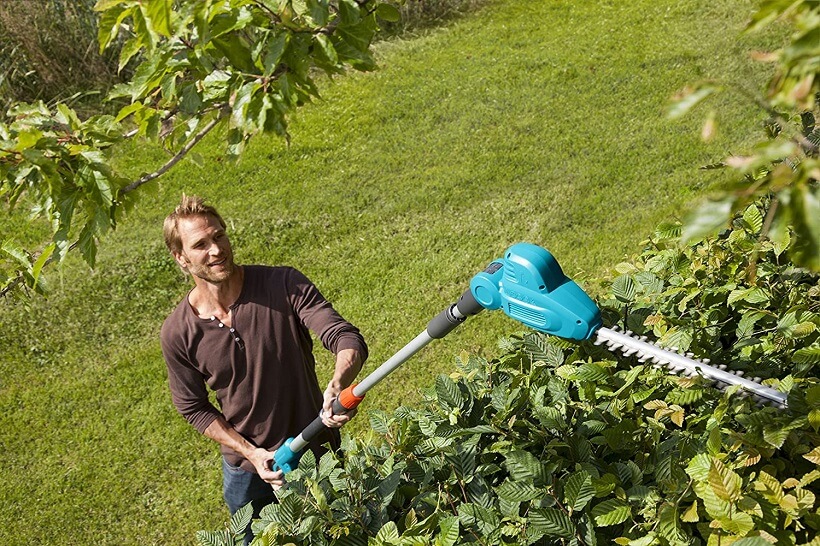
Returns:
point(473, 515)
point(611, 512)
point(578, 491)
point(690, 100)
point(752, 541)
point(726, 483)
point(552, 522)
point(623, 288)
point(691, 514)
point(807, 355)
point(379, 421)
point(804, 208)
point(158, 13)
point(770, 487)
point(128, 50)
point(669, 525)
point(522, 465)
point(449, 395)
point(707, 219)
point(591, 372)
point(448, 532)
point(318, 12)
point(754, 295)
point(753, 218)
point(518, 491)
point(274, 50)
point(541, 349)
point(389, 13)
point(41, 261)
point(214, 538)
point(678, 337)
point(87, 243)
point(388, 534)
point(241, 519)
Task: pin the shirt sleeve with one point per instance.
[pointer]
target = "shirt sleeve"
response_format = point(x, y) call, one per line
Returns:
point(188, 391)
point(321, 318)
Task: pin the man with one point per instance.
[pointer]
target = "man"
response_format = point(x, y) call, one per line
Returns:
point(244, 331)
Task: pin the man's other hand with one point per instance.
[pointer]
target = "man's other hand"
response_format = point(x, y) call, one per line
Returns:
point(262, 459)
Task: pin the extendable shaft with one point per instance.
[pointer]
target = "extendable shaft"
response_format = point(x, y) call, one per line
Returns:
point(441, 325)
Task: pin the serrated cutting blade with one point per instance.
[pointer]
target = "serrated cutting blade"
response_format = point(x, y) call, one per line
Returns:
point(684, 365)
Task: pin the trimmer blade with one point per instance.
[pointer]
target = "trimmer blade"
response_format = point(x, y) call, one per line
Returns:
point(685, 364)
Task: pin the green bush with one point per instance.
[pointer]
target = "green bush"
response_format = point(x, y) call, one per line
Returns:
point(563, 443)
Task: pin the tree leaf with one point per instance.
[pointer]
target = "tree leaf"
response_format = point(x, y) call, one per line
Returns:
point(691, 514)
point(449, 395)
point(518, 491)
point(804, 206)
point(707, 219)
point(753, 218)
point(552, 522)
point(158, 13)
point(611, 512)
point(669, 524)
point(448, 532)
point(241, 519)
point(389, 13)
point(214, 538)
point(388, 534)
point(813, 456)
point(623, 288)
point(578, 491)
point(725, 482)
point(683, 105)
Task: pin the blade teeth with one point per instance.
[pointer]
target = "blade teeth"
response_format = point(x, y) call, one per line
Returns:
point(658, 361)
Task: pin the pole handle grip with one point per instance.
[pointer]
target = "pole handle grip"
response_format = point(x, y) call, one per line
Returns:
point(347, 400)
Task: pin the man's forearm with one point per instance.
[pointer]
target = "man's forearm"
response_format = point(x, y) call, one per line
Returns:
point(222, 432)
point(348, 364)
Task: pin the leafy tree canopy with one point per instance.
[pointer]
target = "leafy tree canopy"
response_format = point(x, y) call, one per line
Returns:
point(200, 64)
point(245, 65)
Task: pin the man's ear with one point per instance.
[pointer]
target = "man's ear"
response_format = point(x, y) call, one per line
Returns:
point(181, 260)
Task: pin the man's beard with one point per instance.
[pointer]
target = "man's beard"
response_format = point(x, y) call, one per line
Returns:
point(211, 274)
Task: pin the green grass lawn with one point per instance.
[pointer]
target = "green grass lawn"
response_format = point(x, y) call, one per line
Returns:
point(527, 121)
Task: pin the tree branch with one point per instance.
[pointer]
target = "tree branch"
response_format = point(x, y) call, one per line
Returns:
point(179, 155)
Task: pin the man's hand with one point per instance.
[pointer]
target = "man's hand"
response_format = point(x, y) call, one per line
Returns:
point(330, 419)
point(261, 459)
point(348, 364)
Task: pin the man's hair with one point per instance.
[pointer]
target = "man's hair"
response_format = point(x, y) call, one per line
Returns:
point(188, 207)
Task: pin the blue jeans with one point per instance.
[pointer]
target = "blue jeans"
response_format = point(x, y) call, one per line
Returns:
point(240, 487)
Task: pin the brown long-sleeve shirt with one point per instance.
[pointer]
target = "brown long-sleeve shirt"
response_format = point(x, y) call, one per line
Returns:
point(262, 370)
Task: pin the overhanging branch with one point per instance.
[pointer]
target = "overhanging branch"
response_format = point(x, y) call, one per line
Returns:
point(179, 155)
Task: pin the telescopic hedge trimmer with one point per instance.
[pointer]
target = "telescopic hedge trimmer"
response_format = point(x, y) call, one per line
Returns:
point(530, 287)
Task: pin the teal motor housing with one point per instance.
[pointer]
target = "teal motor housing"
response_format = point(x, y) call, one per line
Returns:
point(529, 286)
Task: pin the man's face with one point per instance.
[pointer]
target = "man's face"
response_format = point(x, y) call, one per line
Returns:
point(206, 251)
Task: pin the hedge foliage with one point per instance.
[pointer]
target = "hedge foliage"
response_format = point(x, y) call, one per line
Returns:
point(563, 443)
